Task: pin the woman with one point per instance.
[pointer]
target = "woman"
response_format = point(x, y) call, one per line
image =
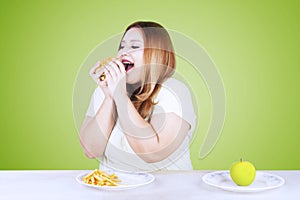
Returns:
point(137, 120)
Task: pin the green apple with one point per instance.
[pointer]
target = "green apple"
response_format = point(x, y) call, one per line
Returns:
point(242, 173)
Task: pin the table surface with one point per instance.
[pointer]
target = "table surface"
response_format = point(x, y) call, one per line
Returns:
point(62, 184)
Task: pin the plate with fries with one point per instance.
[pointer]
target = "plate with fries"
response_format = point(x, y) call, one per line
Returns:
point(114, 180)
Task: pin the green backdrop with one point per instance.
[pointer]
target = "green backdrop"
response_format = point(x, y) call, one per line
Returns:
point(255, 45)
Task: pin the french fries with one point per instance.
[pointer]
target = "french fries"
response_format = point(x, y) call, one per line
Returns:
point(101, 178)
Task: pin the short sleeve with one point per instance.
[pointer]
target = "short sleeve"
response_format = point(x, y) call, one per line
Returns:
point(175, 97)
point(96, 101)
point(167, 102)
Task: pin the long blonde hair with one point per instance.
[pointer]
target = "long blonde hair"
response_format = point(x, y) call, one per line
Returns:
point(159, 64)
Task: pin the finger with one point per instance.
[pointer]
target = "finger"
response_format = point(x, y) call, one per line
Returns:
point(114, 69)
point(102, 83)
point(108, 77)
point(110, 71)
point(93, 69)
point(121, 66)
point(98, 82)
point(93, 74)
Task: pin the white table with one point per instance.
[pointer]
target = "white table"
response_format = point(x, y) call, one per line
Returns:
point(61, 184)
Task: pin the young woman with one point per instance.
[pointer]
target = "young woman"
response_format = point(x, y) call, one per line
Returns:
point(139, 118)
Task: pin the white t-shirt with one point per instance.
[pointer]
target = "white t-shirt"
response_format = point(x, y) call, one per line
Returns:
point(174, 97)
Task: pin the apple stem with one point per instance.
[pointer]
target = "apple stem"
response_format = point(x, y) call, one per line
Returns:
point(241, 159)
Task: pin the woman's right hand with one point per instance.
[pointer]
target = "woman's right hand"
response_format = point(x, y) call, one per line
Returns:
point(95, 76)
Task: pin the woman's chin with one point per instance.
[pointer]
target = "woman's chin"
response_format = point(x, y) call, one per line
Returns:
point(133, 76)
point(131, 80)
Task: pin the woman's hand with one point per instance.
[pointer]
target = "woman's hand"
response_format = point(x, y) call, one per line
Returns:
point(116, 79)
point(95, 76)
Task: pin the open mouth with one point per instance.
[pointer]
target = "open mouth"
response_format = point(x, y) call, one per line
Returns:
point(128, 65)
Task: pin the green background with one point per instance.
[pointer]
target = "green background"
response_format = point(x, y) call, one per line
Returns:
point(255, 45)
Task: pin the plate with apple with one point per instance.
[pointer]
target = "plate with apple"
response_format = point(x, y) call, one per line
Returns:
point(243, 177)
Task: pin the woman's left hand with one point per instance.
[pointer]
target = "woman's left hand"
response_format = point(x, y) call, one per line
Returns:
point(116, 79)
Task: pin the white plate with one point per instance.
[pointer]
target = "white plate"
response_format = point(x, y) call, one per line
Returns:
point(263, 181)
point(128, 180)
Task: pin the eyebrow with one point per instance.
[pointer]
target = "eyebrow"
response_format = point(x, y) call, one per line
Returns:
point(132, 41)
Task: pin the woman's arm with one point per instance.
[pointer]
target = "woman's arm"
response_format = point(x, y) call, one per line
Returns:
point(152, 141)
point(95, 131)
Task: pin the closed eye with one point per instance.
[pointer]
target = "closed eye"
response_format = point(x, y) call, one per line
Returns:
point(135, 47)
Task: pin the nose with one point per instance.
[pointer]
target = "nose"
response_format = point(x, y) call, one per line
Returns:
point(123, 53)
